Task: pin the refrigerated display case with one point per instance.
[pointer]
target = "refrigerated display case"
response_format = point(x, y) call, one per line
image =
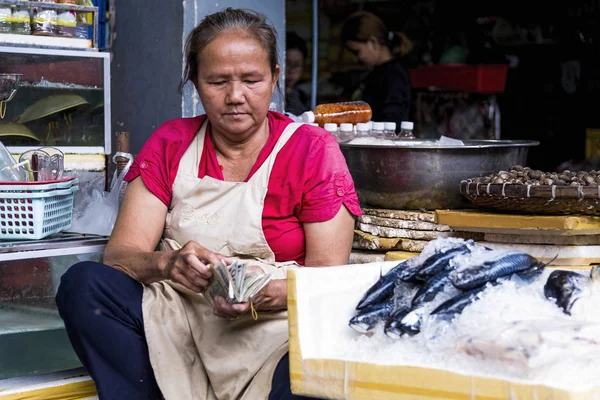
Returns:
point(33, 340)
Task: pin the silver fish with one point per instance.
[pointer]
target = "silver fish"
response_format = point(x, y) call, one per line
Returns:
point(565, 288)
point(393, 326)
point(448, 309)
point(595, 273)
point(411, 323)
point(506, 264)
point(404, 292)
point(441, 261)
point(403, 297)
point(384, 287)
point(434, 286)
point(369, 317)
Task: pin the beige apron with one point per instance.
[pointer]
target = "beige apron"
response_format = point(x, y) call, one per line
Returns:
point(194, 354)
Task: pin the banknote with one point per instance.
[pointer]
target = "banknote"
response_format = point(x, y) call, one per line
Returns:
point(235, 282)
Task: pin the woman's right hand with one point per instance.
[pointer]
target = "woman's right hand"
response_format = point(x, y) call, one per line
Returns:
point(188, 266)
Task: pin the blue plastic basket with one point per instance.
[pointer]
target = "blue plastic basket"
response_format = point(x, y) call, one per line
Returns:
point(34, 211)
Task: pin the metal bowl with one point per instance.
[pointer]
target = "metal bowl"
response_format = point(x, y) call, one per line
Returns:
point(8, 86)
point(417, 175)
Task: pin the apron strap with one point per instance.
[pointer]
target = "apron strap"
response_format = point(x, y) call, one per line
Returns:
point(261, 178)
point(188, 165)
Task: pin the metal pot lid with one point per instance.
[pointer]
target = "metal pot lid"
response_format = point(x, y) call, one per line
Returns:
point(16, 129)
point(51, 105)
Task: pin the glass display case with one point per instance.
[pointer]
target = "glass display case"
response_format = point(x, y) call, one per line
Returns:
point(32, 335)
point(62, 100)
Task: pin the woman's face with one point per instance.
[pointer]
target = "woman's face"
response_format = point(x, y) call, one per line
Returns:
point(235, 84)
point(365, 52)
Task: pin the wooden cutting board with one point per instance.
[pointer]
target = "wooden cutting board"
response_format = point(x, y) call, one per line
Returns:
point(426, 216)
point(399, 255)
point(365, 257)
point(405, 255)
point(402, 223)
point(476, 221)
point(564, 240)
point(566, 255)
point(387, 232)
point(366, 241)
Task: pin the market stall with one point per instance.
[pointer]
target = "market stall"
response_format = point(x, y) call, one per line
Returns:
point(55, 133)
point(476, 278)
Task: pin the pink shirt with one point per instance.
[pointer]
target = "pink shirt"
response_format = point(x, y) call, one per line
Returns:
point(309, 181)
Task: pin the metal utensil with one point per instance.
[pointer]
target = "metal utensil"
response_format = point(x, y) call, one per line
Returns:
point(8, 88)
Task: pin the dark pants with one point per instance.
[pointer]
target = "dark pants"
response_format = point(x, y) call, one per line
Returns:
point(102, 311)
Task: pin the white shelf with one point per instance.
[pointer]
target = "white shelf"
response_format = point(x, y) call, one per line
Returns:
point(45, 41)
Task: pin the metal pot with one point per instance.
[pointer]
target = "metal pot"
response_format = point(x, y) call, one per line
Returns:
point(417, 175)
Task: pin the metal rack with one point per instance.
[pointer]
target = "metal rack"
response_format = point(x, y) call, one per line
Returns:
point(65, 7)
point(60, 244)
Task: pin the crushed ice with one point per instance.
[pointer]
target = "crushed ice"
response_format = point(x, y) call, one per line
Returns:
point(511, 332)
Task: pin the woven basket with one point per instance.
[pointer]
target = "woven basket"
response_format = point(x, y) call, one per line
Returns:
point(534, 199)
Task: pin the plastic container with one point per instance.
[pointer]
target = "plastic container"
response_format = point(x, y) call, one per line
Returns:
point(21, 21)
point(6, 159)
point(332, 128)
point(346, 132)
point(66, 24)
point(378, 130)
point(44, 22)
point(5, 20)
point(362, 129)
point(351, 112)
point(406, 130)
point(37, 209)
point(389, 129)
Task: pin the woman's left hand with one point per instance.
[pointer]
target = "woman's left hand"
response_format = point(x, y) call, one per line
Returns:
point(224, 309)
point(271, 297)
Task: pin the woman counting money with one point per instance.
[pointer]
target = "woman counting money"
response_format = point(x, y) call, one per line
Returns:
point(238, 183)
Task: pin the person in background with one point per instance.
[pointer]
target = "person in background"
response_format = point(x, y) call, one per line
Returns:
point(240, 182)
point(296, 100)
point(387, 86)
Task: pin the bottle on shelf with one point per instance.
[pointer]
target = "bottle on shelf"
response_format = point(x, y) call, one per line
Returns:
point(406, 130)
point(351, 112)
point(346, 132)
point(389, 130)
point(378, 130)
point(5, 19)
point(21, 21)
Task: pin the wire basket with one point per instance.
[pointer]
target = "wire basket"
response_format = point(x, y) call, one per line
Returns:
point(33, 210)
point(530, 199)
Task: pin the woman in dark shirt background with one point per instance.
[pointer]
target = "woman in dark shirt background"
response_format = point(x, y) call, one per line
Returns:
point(387, 86)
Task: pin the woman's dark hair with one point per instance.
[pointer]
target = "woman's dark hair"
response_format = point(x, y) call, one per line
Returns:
point(231, 19)
point(363, 25)
point(294, 41)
